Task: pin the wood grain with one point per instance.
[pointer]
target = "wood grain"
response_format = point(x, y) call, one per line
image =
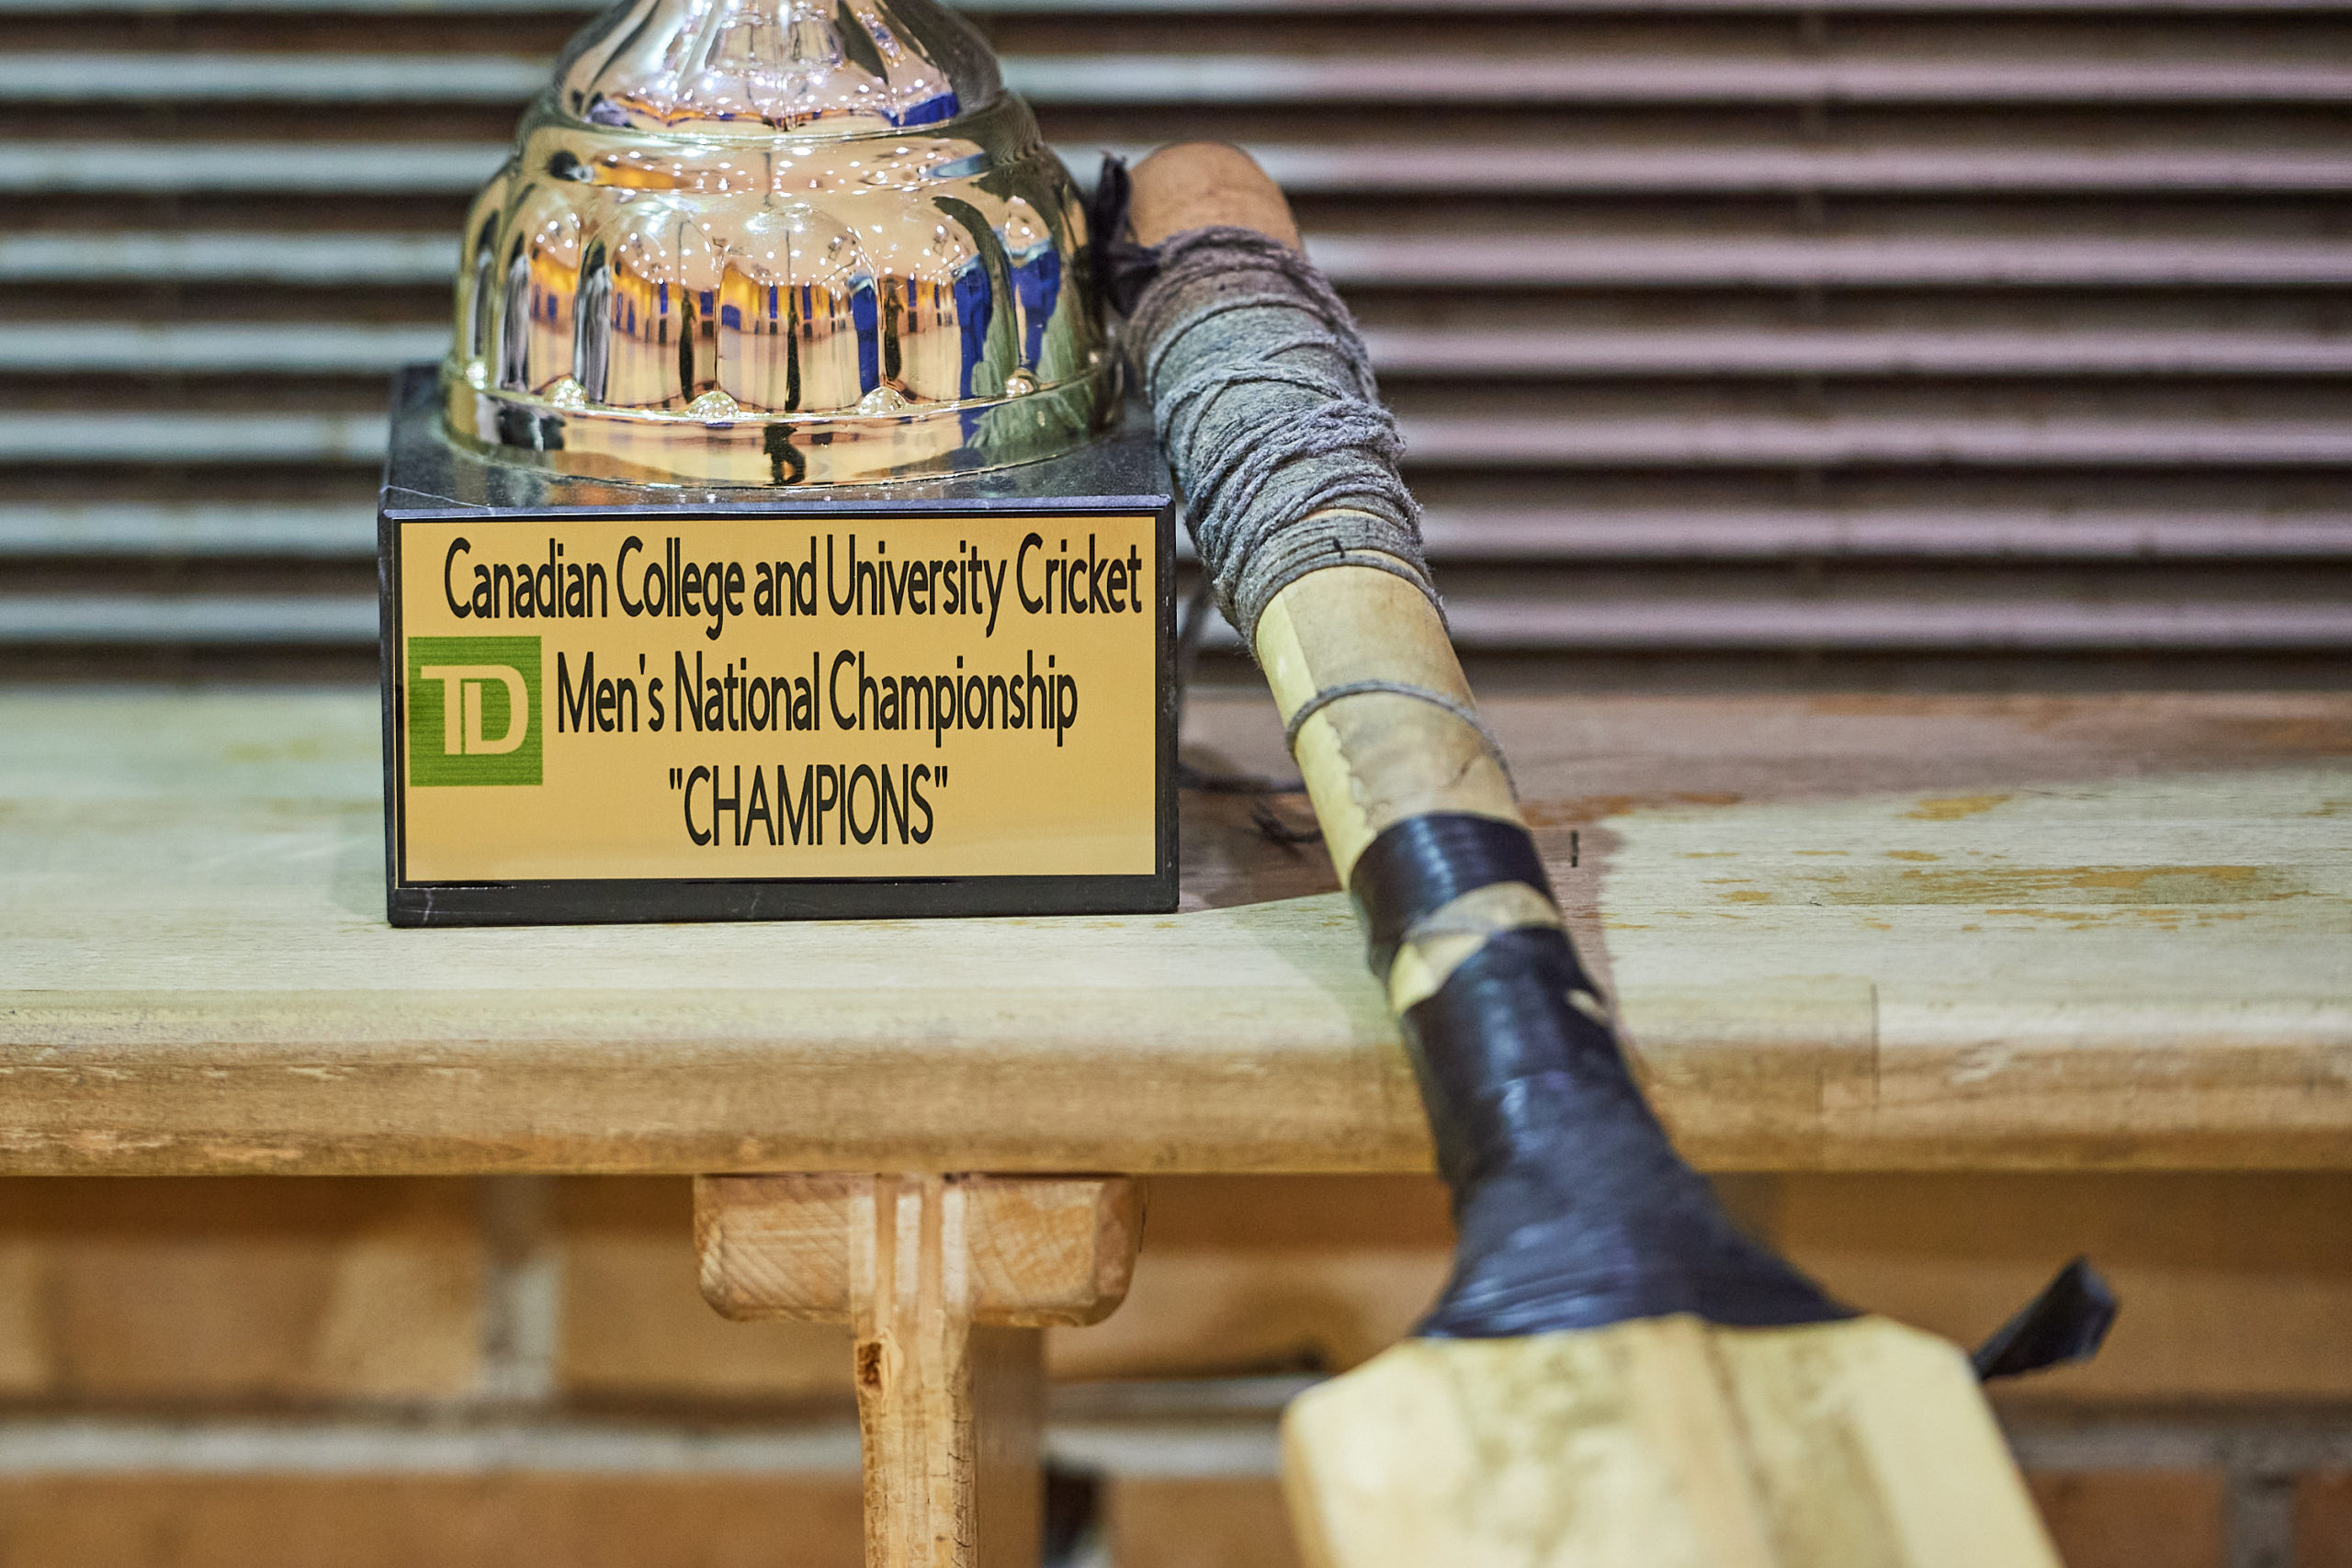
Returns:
point(1374, 759)
point(947, 1282)
point(1195, 184)
point(1864, 933)
point(1028, 1252)
point(1660, 1443)
point(948, 1413)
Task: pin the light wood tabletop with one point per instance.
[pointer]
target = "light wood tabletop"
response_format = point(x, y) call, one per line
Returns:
point(1883, 932)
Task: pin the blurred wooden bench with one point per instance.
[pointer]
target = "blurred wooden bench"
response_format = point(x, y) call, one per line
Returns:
point(1845, 933)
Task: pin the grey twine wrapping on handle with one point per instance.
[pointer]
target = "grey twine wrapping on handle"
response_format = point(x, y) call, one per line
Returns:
point(1262, 392)
point(1575, 1211)
point(1264, 395)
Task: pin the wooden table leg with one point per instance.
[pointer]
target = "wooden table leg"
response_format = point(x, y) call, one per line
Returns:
point(950, 1282)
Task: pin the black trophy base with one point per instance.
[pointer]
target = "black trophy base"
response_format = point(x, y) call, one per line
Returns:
point(588, 607)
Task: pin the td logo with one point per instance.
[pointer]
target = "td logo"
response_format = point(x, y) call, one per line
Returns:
point(473, 710)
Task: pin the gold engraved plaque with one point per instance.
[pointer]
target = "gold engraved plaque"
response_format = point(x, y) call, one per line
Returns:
point(643, 714)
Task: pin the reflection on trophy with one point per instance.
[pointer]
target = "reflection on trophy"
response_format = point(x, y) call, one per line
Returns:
point(760, 244)
point(772, 457)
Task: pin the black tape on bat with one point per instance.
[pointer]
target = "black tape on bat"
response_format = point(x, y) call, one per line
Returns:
point(1417, 867)
point(2067, 1321)
point(1573, 1208)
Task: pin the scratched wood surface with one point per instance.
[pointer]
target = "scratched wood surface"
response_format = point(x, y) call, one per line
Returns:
point(1845, 933)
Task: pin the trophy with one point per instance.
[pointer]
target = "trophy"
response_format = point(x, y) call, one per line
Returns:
point(782, 447)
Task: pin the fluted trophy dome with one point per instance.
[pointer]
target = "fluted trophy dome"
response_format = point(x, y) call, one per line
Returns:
point(775, 242)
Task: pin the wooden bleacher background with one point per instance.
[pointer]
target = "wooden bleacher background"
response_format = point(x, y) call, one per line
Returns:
point(1740, 343)
point(1982, 341)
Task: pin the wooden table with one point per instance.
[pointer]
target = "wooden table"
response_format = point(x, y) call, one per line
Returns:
point(1857, 933)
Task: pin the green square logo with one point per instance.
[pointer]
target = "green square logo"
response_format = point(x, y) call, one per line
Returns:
point(473, 710)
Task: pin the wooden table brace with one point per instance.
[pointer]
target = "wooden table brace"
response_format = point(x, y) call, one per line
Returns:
point(949, 1283)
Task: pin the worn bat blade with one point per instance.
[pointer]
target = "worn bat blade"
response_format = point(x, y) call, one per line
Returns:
point(1660, 1443)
